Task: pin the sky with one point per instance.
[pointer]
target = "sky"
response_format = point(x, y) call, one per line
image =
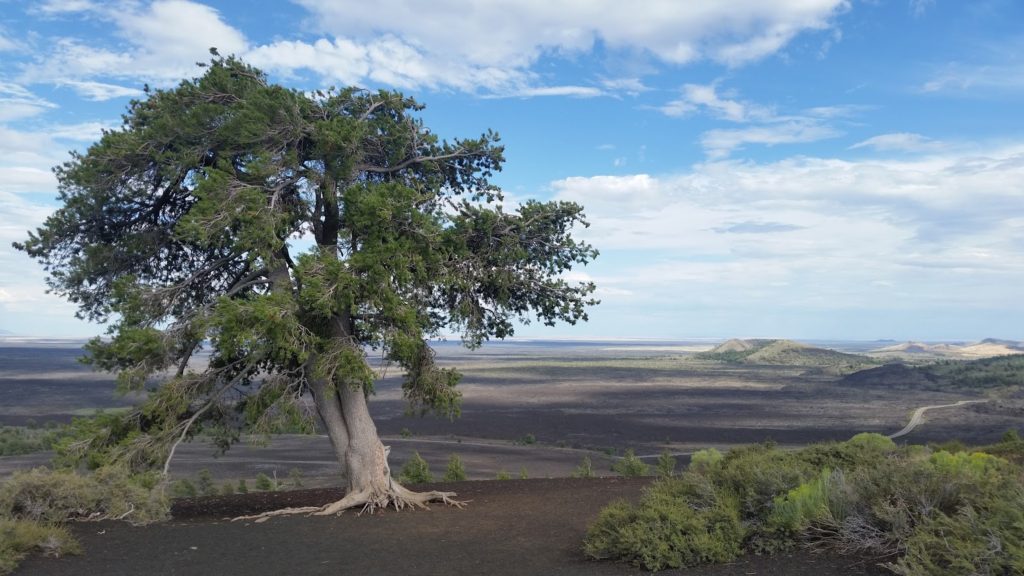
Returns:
point(810, 169)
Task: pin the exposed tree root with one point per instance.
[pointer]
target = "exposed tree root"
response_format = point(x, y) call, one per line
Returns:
point(369, 500)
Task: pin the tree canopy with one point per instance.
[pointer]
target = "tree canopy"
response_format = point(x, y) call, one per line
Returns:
point(286, 233)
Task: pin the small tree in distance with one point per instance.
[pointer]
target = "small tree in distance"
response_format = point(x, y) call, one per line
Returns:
point(286, 233)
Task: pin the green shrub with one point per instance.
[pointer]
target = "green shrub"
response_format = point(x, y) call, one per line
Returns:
point(938, 513)
point(705, 460)
point(682, 521)
point(227, 489)
point(51, 496)
point(666, 466)
point(502, 475)
point(527, 440)
point(455, 472)
point(629, 465)
point(21, 537)
point(986, 543)
point(415, 471)
point(523, 474)
point(204, 483)
point(183, 488)
point(757, 475)
point(295, 476)
point(585, 469)
point(243, 486)
point(264, 483)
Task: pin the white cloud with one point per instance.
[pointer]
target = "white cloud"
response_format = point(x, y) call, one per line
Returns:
point(720, 143)
point(899, 142)
point(164, 40)
point(766, 127)
point(697, 97)
point(967, 78)
point(6, 44)
point(474, 46)
point(100, 91)
point(815, 232)
point(16, 102)
point(508, 32)
point(53, 7)
point(919, 7)
point(631, 86)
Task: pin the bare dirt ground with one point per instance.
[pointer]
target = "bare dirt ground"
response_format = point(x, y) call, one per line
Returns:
point(510, 527)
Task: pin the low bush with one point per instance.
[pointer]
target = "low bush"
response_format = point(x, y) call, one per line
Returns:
point(455, 472)
point(18, 538)
point(630, 465)
point(52, 496)
point(936, 512)
point(666, 466)
point(682, 521)
point(585, 469)
point(35, 503)
point(415, 471)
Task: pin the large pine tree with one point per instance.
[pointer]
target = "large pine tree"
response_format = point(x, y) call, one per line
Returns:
point(287, 233)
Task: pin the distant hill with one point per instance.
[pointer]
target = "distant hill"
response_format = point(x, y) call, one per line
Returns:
point(785, 353)
point(987, 348)
point(978, 374)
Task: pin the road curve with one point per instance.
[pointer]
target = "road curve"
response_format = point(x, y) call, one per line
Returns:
point(918, 416)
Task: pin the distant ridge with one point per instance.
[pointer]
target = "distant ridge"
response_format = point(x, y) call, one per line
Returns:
point(987, 348)
point(785, 353)
point(943, 374)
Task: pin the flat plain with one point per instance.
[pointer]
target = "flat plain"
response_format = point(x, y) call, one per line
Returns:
point(540, 407)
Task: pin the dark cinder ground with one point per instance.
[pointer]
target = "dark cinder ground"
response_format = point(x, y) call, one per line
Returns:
point(511, 527)
point(538, 408)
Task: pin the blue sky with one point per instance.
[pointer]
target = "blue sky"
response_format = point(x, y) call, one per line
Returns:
point(799, 168)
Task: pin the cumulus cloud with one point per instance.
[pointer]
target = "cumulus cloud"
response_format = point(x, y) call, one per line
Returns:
point(163, 41)
point(461, 44)
point(699, 97)
point(941, 229)
point(514, 33)
point(492, 46)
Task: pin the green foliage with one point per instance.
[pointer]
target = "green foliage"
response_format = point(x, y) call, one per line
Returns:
point(50, 496)
point(176, 229)
point(523, 474)
point(527, 440)
point(16, 440)
point(405, 433)
point(227, 489)
point(21, 537)
point(204, 483)
point(455, 472)
point(183, 488)
point(264, 483)
point(935, 512)
point(629, 465)
point(243, 486)
point(585, 469)
point(666, 466)
point(415, 471)
point(502, 475)
point(986, 542)
point(681, 521)
point(705, 460)
point(295, 476)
